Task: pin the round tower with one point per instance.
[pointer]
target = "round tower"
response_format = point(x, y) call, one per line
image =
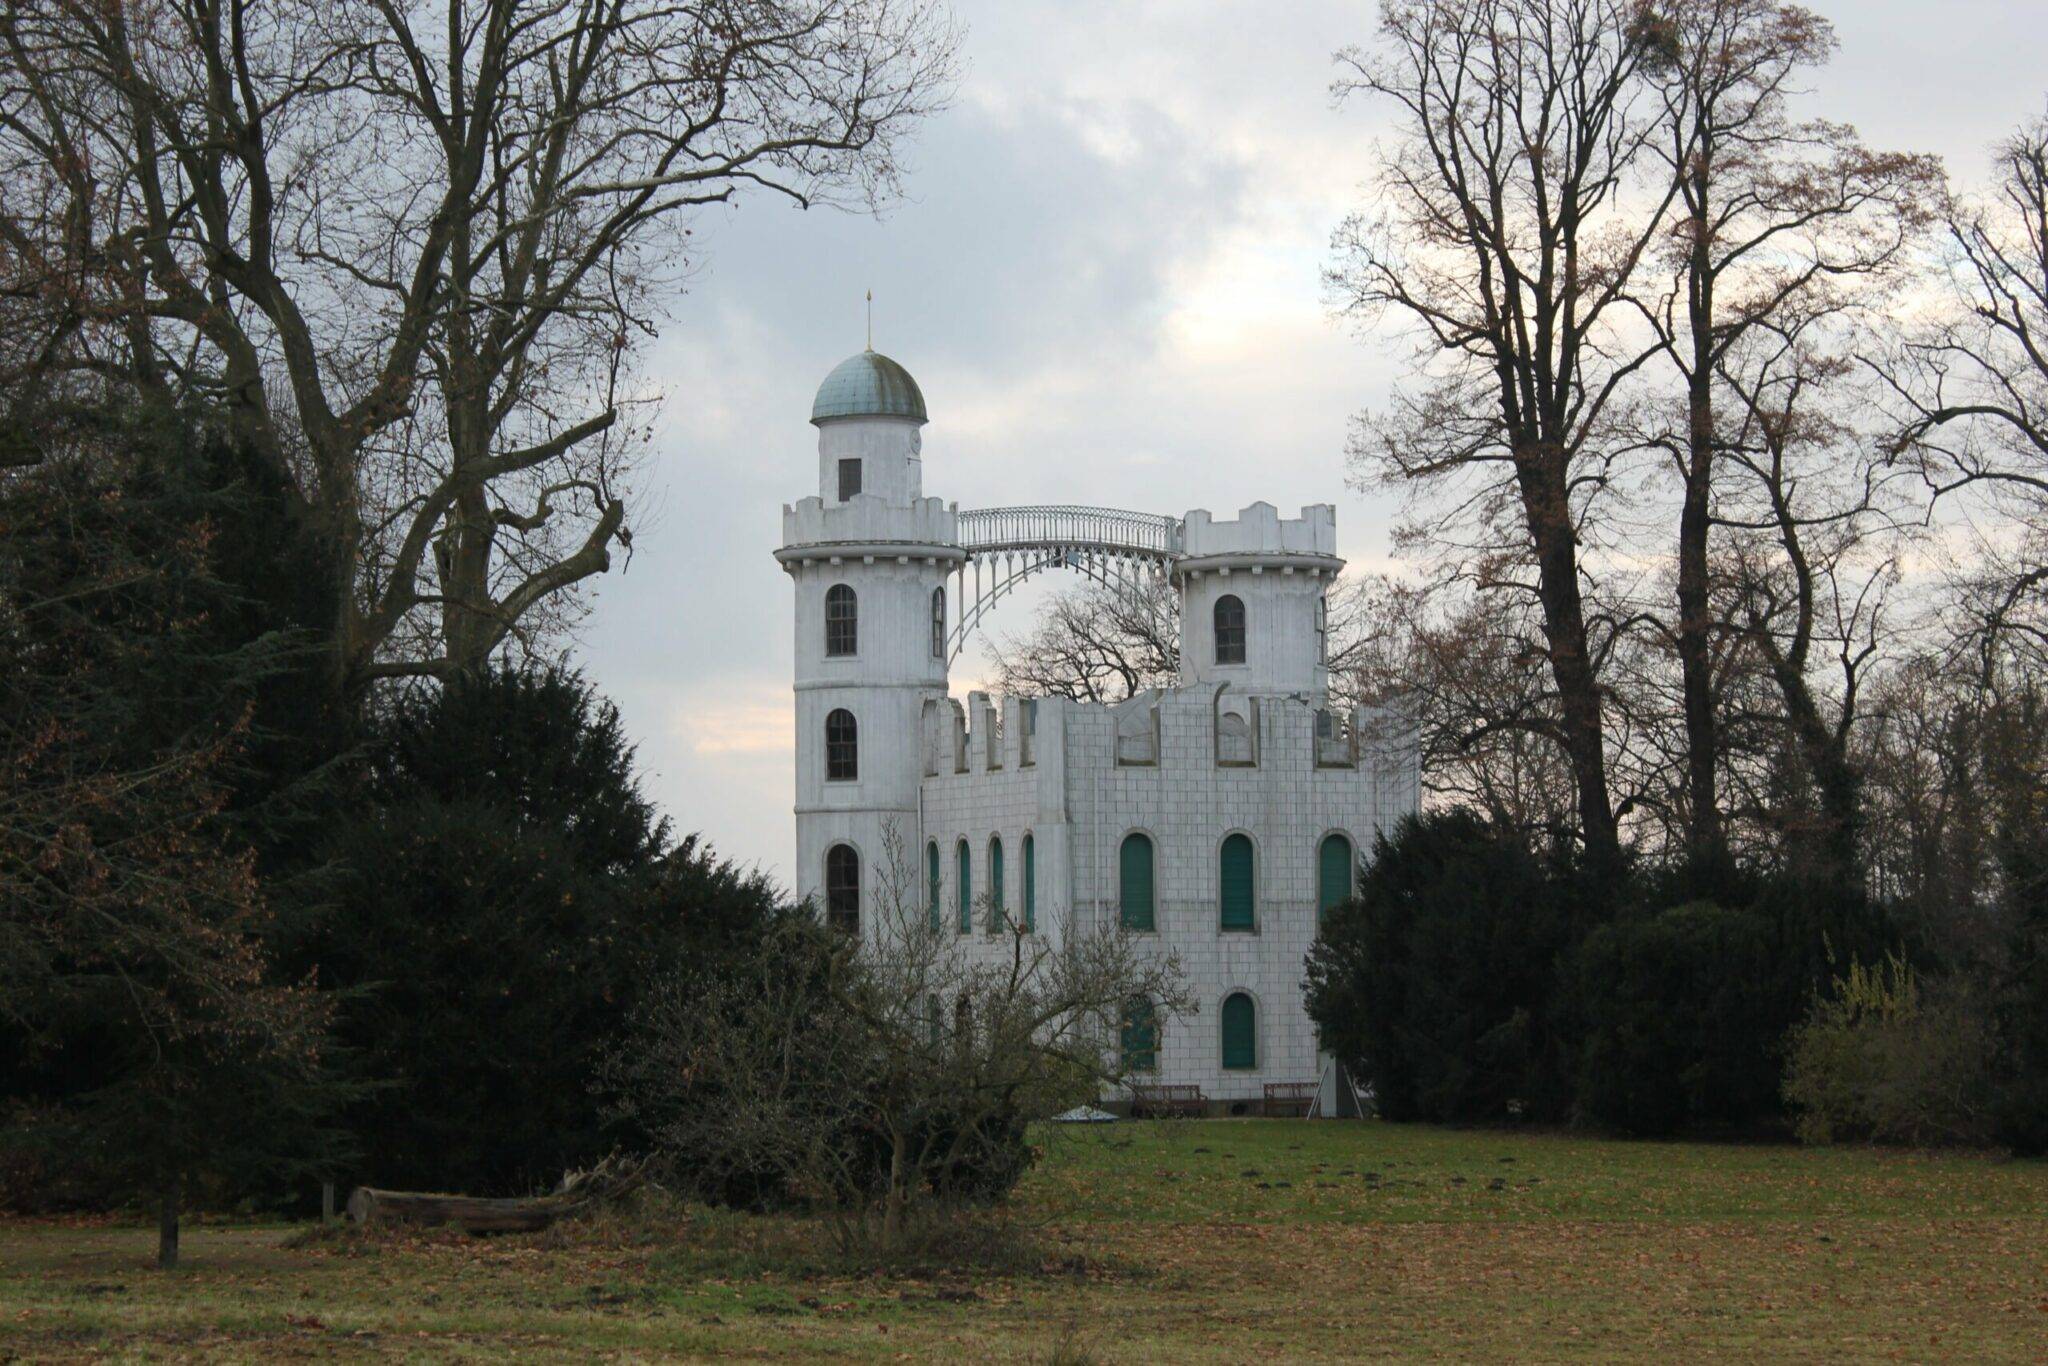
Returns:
point(868, 555)
point(1253, 612)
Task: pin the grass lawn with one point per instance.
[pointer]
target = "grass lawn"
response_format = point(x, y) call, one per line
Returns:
point(1225, 1240)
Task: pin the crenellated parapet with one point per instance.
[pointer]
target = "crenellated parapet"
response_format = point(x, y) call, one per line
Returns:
point(812, 527)
point(1260, 536)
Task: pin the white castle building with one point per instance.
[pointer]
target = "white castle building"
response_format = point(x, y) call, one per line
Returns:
point(1221, 815)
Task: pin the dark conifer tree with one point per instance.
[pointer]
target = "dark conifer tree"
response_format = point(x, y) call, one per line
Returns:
point(148, 1047)
point(506, 893)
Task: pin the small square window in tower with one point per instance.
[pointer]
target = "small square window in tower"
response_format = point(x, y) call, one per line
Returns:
point(849, 479)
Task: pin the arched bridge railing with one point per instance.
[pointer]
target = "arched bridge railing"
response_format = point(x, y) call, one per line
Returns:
point(1006, 546)
point(1060, 527)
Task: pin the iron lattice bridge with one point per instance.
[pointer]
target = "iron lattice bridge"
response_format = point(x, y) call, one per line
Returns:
point(1007, 546)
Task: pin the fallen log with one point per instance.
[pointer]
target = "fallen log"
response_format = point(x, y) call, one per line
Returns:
point(473, 1214)
point(608, 1180)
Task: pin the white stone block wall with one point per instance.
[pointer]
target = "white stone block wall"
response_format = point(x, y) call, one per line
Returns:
point(1079, 803)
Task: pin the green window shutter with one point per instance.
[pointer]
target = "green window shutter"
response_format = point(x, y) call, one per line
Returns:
point(1134, 882)
point(995, 874)
point(1240, 1033)
point(1030, 883)
point(1236, 861)
point(931, 874)
point(1333, 874)
point(966, 889)
point(1140, 1036)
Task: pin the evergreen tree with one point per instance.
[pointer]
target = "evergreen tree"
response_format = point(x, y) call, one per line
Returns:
point(506, 894)
point(147, 1044)
point(1437, 984)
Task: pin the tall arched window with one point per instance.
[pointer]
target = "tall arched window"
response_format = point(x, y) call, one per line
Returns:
point(931, 877)
point(842, 746)
point(939, 622)
point(995, 881)
point(1240, 1033)
point(965, 870)
point(1334, 865)
point(1236, 866)
point(1140, 1035)
point(1030, 884)
point(1134, 882)
point(842, 888)
point(1229, 629)
point(842, 621)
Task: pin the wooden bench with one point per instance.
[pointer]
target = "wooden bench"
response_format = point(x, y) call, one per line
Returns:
point(1289, 1097)
point(1167, 1102)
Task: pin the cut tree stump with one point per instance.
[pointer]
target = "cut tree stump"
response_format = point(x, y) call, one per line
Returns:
point(473, 1214)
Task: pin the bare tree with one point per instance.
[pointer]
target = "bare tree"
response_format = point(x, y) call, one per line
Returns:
point(1465, 671)
point(1771, 212)
point(1509, 242)
point(1095, 643)
point(413, 247)
point(1973, 390)
point(1817, 534)
point(897, 1064)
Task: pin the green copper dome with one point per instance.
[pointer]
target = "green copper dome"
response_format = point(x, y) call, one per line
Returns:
point(868, 385)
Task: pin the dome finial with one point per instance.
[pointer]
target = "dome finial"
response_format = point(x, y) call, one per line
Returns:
point(871, 320)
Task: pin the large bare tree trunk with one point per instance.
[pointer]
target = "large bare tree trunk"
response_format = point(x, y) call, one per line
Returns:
point(1548, 510)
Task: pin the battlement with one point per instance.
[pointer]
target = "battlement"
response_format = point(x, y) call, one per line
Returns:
point(1261, 530)
point(866, 519)
point(1200, 727)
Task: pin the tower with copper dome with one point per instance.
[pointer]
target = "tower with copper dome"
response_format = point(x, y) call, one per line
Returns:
point(868, 555)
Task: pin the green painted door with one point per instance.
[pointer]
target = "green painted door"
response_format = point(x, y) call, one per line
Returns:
point(1134, 882)
point(1238, 881)
point(1240, 1033)
point(1333, 874)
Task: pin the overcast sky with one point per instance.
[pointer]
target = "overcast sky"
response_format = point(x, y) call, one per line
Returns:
point(1105, 278)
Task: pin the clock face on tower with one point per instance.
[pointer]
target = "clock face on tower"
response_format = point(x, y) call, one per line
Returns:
point(916, 442)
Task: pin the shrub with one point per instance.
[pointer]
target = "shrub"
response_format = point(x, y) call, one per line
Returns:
point(1437, 984)
point(1680, 1025)
point(1879, 1060)
point(871, 1079)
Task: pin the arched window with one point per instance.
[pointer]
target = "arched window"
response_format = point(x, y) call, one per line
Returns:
point(995, 881)
point(931, 877)
point(1140, 1035)
point(842, 888)
point(1240, 1033)
point(1334, 865)
point(1134, 882)
point(1229, 629)
point(939, 622)
point(1030, 884)
point(842, 746)
point(965, 870)
point(842, 621)
point(1235, 864)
